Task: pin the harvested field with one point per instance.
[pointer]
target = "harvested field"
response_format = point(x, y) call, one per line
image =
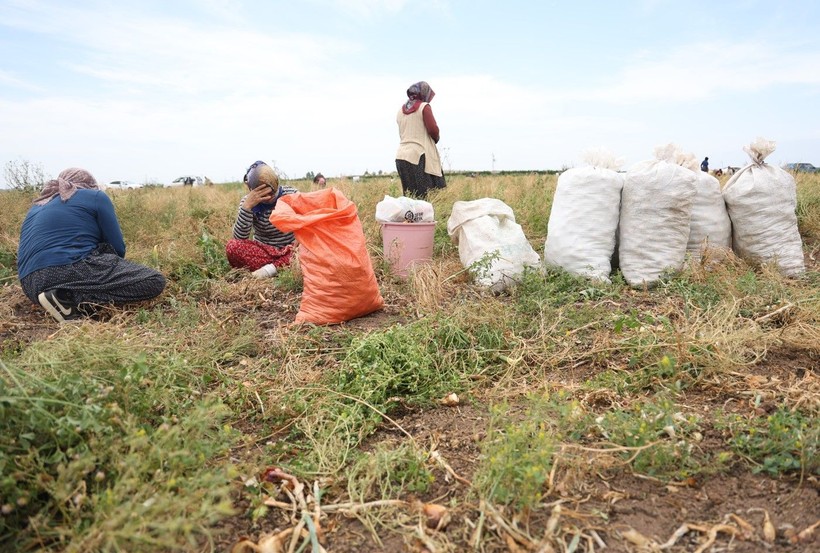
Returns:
point(587, 417)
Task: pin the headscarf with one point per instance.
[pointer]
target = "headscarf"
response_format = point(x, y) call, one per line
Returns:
point(66, 184)
point(416, 94)
point(253, 166)
point(252, 180)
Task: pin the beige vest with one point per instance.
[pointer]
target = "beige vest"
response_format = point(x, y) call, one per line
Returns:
point(415, 141)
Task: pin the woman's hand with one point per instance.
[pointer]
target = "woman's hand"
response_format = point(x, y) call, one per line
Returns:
point(260, 195)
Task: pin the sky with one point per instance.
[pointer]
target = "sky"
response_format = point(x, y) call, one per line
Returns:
point(150, 90)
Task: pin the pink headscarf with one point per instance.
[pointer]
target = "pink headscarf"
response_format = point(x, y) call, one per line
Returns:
point(66, 184)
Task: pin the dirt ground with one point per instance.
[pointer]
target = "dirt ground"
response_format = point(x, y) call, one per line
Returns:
point(617, 507)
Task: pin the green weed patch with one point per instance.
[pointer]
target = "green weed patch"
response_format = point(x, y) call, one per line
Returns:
point(412, 365)
point(517, 456)
point(784, 441)
point(81, 465)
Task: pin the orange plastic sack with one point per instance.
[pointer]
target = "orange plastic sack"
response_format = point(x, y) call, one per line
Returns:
point(339, 283)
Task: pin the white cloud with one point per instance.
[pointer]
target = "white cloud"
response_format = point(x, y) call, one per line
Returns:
point(16, 82)
point(219, 137)
point(224, 10)
point(176, 55)
point(159, 96)
point(697, 71)
point(374, 8)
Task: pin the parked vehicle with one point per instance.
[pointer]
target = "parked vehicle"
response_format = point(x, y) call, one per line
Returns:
point(187, 180)
point(122, 185)
point(801, 168)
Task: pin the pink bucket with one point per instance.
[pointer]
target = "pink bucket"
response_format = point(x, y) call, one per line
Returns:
point(407, 243)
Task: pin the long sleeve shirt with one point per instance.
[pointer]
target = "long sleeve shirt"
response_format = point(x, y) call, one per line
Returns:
point(430, 123)
point(248, 221)
point(62, 233)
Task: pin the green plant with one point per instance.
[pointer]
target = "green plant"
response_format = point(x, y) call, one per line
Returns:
point(640, 376)
point(413, 364)
point(8, 264)
point(76, 455)
point(517, 456)
point(213, 254)
point(482, 268)
point(390, 470)
point(784, 441)
point(198, 209)
point(399, 362)
point(702, 295)
point(658, 435)
point(290, 279)
point(551, 288)
point(442, 243)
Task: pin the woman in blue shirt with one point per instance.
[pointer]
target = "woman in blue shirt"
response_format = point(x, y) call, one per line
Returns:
point(71, 253)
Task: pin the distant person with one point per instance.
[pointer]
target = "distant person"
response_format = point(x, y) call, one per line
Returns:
point(270, 248)
point(320, 180)
point(704, 165)
point(417, 159)
point(70, 259)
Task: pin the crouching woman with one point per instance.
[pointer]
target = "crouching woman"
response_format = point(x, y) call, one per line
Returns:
point(269, 248)
point(70, 259)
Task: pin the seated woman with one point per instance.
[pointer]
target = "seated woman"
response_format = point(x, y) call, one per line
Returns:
point(270, 248)
point(71, 253)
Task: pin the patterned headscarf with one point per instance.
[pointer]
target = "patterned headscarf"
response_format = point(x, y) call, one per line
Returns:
point(66, 184)
point(260, 173)
point(416, 94)
point(250, 170)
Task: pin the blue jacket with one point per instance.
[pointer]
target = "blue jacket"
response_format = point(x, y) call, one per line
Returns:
point(62, 233)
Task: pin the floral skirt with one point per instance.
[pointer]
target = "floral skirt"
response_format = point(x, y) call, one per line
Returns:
point(102, 278)
point(252, 255)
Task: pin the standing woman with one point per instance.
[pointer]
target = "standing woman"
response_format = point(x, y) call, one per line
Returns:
point(417, 159)
point(71, 253)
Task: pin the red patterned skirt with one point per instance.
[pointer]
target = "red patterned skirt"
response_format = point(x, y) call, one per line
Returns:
point(252, 255)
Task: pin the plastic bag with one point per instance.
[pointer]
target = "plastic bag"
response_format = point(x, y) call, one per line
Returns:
point(485, 230)
point(397, 210)
point(339, 282)
point(762, 200)
point(583, 221)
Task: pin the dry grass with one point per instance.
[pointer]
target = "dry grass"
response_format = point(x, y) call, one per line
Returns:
point(710, 336)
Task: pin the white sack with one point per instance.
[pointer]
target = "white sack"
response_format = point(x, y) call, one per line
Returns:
point(397, 210)
point(583, 220)
point(710, 226)
point(487, 227)
point(761, 200)
point(656, 205)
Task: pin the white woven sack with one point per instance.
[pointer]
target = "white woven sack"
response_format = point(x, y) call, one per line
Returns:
point(761, 200)
point(710, 226)
point(656, 205)
point(584, 220)
point(487, 227)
